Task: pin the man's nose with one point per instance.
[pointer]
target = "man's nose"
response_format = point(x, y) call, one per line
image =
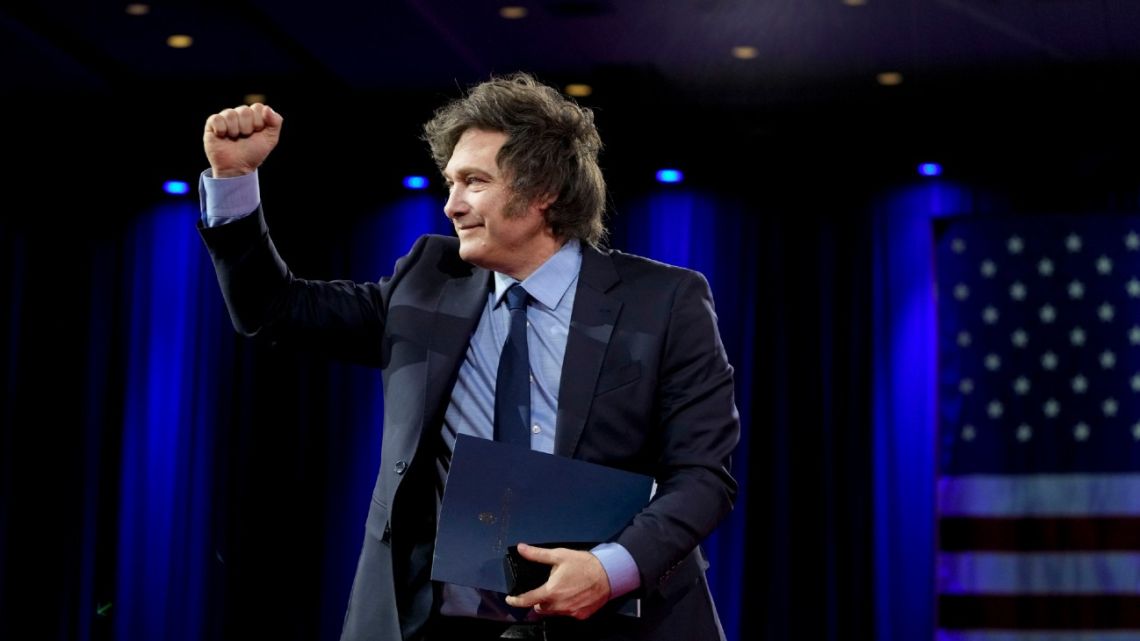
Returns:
point(454, 205)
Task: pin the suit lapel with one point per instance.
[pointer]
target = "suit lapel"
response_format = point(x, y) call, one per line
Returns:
point(591, 326)
point(457, 313)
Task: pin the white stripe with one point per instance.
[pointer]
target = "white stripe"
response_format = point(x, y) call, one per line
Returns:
point(1040, 495)
point(1040, 573)
point(1067, 635)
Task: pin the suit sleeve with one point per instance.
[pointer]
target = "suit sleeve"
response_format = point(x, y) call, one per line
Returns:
point(698, 429)
point(342, 319)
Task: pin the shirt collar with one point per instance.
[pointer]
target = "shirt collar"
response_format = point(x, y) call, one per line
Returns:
point(549, 283)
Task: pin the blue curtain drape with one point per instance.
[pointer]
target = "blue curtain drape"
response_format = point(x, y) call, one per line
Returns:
point(686, 228)
point(177, 372)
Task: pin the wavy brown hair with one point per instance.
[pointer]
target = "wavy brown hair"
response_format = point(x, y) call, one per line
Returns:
point(552, 148)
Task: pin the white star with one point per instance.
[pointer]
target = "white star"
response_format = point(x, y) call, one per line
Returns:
point(1073, 243)
point(965, 386)
point(1107, 359)
point(1133, 287)
point(1045, 267)
point(1017, 291)
point(1134, 335)
point(1081, 432)
point(968, 433)
point(1051, 408)
point(1015, 244)
point(1104, 265)
point(958, 245)
point(1076, 290)
point(1080, 384)
point(993, 362)
point(988, 268)
point(1049, 360)
point(1105, 312)
point(1132, 241)
point(1021, 385)
point(994, 409)
point(1077, 336)
point(990, 315)
point(961, 291)
point(963, 339)
point(1109, 407)
point(1135, 383)
point(1024, 432)
point(1019, 338)
point(1048, 313)
point(1136, 432)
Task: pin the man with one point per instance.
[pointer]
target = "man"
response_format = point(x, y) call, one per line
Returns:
point(626, 367)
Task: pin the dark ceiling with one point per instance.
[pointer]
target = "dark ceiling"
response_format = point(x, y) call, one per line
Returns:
point(802, 46)
point(974, 72)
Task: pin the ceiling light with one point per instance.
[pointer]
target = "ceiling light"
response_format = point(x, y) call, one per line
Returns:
point(176, 187)
point(745, 52)
point(889, 78)
point(855, 3)
point(179, 41)
point(513, 12)
point(251, 98)
point(415, 182)
point(579, 90)
point(930, 169)
point(137, 9)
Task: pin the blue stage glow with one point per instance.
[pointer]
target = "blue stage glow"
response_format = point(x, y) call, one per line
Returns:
point(416, 182)
point(176, 187)
point(669, 176)
point(930, 169)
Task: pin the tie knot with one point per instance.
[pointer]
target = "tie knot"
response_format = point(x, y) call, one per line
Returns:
point(517, 297)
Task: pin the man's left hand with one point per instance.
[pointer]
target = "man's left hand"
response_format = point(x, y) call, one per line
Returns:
point(577, 587)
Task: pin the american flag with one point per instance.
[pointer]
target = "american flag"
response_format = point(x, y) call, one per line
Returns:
point(1038, 488)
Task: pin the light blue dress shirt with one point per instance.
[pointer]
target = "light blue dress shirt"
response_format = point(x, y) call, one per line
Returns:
point(471, 409)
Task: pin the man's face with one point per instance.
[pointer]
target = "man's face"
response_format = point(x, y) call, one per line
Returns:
point(496, 230)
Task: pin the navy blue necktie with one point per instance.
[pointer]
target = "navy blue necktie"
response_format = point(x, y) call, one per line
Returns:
point(512, 386)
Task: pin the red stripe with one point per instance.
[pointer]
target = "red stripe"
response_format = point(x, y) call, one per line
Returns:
point(1039, 534)
point(1110, 612)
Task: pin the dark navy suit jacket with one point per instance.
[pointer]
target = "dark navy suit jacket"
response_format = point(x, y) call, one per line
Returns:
point(646, 387)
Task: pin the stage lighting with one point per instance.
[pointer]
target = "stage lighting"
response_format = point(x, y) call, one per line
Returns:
point(176, 187)
point(669, 176)
point(415, 182)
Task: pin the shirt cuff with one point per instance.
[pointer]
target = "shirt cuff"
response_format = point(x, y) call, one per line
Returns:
point(620, 568)
point(225, 200)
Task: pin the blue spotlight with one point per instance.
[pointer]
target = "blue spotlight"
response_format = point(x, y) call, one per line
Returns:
point(415, 182)
point(176, 187)
point(669, 176)
point(930, 169)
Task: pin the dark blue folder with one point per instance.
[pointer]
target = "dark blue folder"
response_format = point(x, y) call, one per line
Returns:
point(498, 495)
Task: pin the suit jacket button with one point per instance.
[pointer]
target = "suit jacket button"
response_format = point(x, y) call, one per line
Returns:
point(401, 467)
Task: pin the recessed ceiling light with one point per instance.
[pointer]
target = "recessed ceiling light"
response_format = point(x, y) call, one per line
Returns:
point(745, 52)
point(855, 3)
point(513, 12)
point(579, 90)
point(251, 98)
point(179, 41)
point(137, 9)
point(889, 78)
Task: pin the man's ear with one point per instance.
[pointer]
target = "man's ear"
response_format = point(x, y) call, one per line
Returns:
point(543, 202)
